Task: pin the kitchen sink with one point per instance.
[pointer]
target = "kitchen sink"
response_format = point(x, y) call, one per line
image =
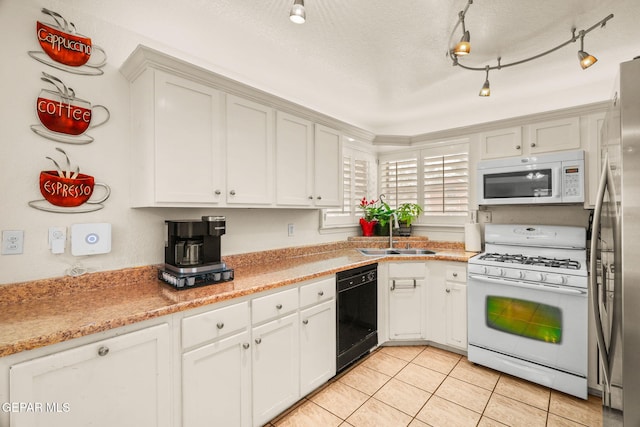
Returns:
point(384, 252)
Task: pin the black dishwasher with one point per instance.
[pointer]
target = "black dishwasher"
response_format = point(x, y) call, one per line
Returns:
point(357, 314)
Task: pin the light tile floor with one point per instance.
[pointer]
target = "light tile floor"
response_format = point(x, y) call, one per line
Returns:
point(425, 386)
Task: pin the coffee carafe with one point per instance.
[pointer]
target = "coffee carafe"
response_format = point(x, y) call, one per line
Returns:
point(194, 246)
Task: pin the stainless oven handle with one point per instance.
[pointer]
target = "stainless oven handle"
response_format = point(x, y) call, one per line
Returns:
point(519, 284)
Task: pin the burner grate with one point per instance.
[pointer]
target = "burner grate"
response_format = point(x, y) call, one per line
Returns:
point(536, 260)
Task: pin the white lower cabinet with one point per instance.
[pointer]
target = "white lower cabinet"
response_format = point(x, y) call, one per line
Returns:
point(275, 367)
point(317, 334)
point(447, 304)
point(216, 377)
point(119, 381)
point(407, 316)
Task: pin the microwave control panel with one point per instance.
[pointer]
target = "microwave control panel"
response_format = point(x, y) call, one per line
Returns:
point(572, 182)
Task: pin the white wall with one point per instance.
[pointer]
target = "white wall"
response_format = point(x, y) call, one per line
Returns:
point(137, 233)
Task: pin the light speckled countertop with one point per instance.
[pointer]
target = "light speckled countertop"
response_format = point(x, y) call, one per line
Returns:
point(44, 312)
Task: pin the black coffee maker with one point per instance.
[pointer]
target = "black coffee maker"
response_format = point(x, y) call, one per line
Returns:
point(192, 253)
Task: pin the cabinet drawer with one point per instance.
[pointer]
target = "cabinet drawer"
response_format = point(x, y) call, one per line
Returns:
point(274, 305)
point(214, 324)
point(456, 274)
point(407, 269)
point(317, 292)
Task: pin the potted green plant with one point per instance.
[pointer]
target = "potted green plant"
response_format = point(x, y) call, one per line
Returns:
point(406, 213)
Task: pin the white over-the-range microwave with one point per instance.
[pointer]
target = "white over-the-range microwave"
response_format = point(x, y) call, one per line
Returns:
point(547, 178)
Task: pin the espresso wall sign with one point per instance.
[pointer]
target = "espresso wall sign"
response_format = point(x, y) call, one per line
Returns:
point(64, 48)
point(65, 117)
point(66, 190)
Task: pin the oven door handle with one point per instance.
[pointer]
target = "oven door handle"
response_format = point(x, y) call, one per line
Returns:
point(519, 284)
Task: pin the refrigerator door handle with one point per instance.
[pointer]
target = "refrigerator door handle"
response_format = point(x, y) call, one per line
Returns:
point(593, 279)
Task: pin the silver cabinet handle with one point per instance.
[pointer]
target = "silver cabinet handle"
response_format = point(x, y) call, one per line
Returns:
point(517, 147)
point(319, 197)
point(448, 290)
point(310, 197)
point(455, 274)
point(305, 321)
point(217, 192)
point(279, 306)
point(232, 192)
point(258, 340)
point(220, 325)
point(321, 293)
point(245, 345)
point(533, 144)
point(103, 351)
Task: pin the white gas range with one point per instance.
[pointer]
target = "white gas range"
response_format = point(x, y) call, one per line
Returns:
point(528, 306)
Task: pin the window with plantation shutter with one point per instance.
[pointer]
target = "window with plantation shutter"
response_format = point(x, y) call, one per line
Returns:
point(399, 181)
point(358, 178)
point(446, 184)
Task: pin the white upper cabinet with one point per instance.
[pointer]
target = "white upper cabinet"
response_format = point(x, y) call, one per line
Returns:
point(531, 139)
point(176, 144)
point(294, 160)
point(327, 167)
point(249, 152)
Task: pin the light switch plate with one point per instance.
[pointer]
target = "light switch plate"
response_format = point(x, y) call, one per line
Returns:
point(90, 239)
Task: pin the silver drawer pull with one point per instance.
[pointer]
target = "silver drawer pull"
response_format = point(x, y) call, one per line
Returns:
point(258, 340)
point(321, 293)
point(305, 322)
point(245, 345)
point(455, 274)
point(394, 286)
point(103, 351)
point(448, 290)
point(220, 325)
point(279, 306)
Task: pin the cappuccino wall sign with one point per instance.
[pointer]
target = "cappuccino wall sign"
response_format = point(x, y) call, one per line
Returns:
point(68, 190)
point(65, 49)
point(65, 117)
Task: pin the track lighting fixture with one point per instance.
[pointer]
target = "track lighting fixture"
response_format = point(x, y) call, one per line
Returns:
point(486, 90)
point(586, 60)
point(297, 14)
point(463, 48)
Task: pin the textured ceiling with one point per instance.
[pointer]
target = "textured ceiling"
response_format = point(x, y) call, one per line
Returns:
point(382, 65)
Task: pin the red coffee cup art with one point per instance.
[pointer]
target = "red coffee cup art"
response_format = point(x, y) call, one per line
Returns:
point(71, 116)
point(67, 48)
point(70, 192)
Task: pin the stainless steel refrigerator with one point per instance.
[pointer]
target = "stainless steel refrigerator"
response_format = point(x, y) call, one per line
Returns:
point(615, 253)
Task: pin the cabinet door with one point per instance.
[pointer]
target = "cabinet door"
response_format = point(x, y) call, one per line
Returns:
point(216, 383)
point(294, 160)
point(327, 167)
point(122, 381)
point(275, 367)
point(406, 309)
point(456, 317)
point(555, 135)
point(501, 143)
point(249, 146)
point(188, 155)
point(317, 346)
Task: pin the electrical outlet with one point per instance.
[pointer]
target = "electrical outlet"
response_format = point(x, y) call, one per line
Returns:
point(484, 216)
point(290, 229)
point(12, 242)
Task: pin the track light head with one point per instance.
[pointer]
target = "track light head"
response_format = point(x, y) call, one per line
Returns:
point(486, 90)
point(297, 14)
point(464, 46)
point(585, 59)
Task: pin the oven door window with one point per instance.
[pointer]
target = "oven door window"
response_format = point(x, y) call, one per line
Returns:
point(523, 318)
point(509, 185)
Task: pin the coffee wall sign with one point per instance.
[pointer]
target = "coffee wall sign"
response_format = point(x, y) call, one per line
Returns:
point(63, 116)
point(65, 49)
point(66, 190)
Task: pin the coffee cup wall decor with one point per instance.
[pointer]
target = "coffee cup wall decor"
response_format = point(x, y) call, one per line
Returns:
point(65, 49)
point(65, 117)
point(66, 190)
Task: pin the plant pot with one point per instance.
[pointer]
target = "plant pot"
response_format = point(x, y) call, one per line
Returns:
point(367, 226)
point(382, 230)
point(404, 230)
